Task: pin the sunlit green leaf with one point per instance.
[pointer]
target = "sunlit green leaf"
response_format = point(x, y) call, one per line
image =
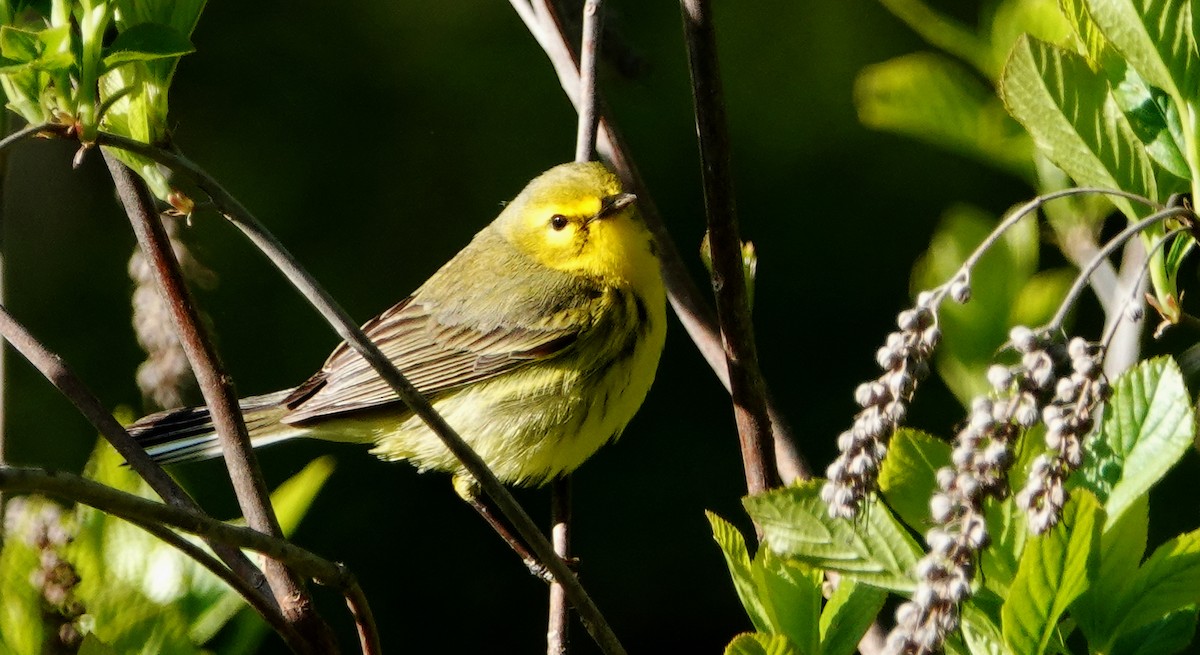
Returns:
point(1054, 571)
point(849, 612)
point(907, 477)
point(1121, 548)
point(1168, 582)
point(981, 635)
point(874, 549)
point(1156, 37)
point(733, 547)
point(761, 644)
point(1075, 121)
point(1148, 425)
point(146, 42)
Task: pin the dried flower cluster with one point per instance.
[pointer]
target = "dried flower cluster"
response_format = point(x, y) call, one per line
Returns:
point(42, 525)
point(904, 359)
point(165, 376)
point(981, 458)
point(1069, 418)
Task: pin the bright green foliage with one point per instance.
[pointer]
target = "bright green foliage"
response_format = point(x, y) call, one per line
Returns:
point(796, 524)
point(57, 69)
point(1147, 428)
point(783, 598)
point(139, 594)
point(1030, 593)
point(1054, 570)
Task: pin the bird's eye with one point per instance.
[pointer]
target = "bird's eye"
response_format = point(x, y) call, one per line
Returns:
point(558, 221)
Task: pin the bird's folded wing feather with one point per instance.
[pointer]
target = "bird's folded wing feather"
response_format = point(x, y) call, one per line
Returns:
point(435, 357)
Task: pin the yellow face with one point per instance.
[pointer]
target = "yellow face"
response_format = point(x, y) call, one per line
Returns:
point(576, 218)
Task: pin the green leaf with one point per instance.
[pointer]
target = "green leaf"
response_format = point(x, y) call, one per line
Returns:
point(1156, 37)
point(1169, 581)
point(907, 477)
point(780, 596)
point(1148, 425)
point(1121, 548)
point(1075, 121)
point(760, 644)
point(1170, 634)
point(146, 42)
point(1054, 571)
point(875, 549)
point(733, 547)
point(1154, 119)
point(19, 45)
point(935, 99)
point(981, 635)
point(849, 612)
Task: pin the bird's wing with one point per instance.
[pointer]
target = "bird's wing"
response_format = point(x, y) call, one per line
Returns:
point(433, 355)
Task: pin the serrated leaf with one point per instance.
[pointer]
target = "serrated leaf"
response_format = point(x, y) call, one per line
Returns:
point(737, 558)
point(933, 98)
point(1156, 37)
point(1075, 121)
point(1121, 548)
point(1147, 427)
point(760, 644)
point(1054, 571)
point(849, 612)
point(874, 549)
point(146, 42)
point(1154, 119)
point(1169, 581)
point(907, 478)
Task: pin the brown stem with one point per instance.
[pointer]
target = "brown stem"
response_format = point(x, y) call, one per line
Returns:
point(348, 330)
point(687, 301)
point(5, 120)
point(725, 244)
point(64, 379)
point(215, 384)
point(151, 515)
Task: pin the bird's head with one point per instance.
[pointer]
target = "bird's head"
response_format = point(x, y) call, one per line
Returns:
point(577, 218)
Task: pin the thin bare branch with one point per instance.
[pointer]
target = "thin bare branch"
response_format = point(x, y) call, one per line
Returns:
point(5, 121)
point(348, 330)
point(728, 280)
point(689, 304)
point(64, 379)
point(215, 384)
point(585, 140)
point(558, 636)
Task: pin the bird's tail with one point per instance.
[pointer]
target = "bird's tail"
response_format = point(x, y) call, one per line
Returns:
point(186, 434)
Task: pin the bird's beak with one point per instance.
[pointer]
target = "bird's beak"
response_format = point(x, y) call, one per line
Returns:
point(612, 204)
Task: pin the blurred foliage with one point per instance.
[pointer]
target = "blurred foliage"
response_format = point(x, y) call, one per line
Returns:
point(114, 585)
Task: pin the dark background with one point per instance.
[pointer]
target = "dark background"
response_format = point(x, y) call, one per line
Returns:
point(374, 139)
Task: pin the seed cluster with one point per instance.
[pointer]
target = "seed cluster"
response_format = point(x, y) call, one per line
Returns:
point(1069, 418)
point(42, 525)
point(904, 359)
point(165, 376)
point(982, 458)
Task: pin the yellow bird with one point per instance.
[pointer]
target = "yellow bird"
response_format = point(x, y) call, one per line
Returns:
point(537, 342)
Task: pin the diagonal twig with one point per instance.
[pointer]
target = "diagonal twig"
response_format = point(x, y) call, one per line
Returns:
point(248, 483)
point(348, 330)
